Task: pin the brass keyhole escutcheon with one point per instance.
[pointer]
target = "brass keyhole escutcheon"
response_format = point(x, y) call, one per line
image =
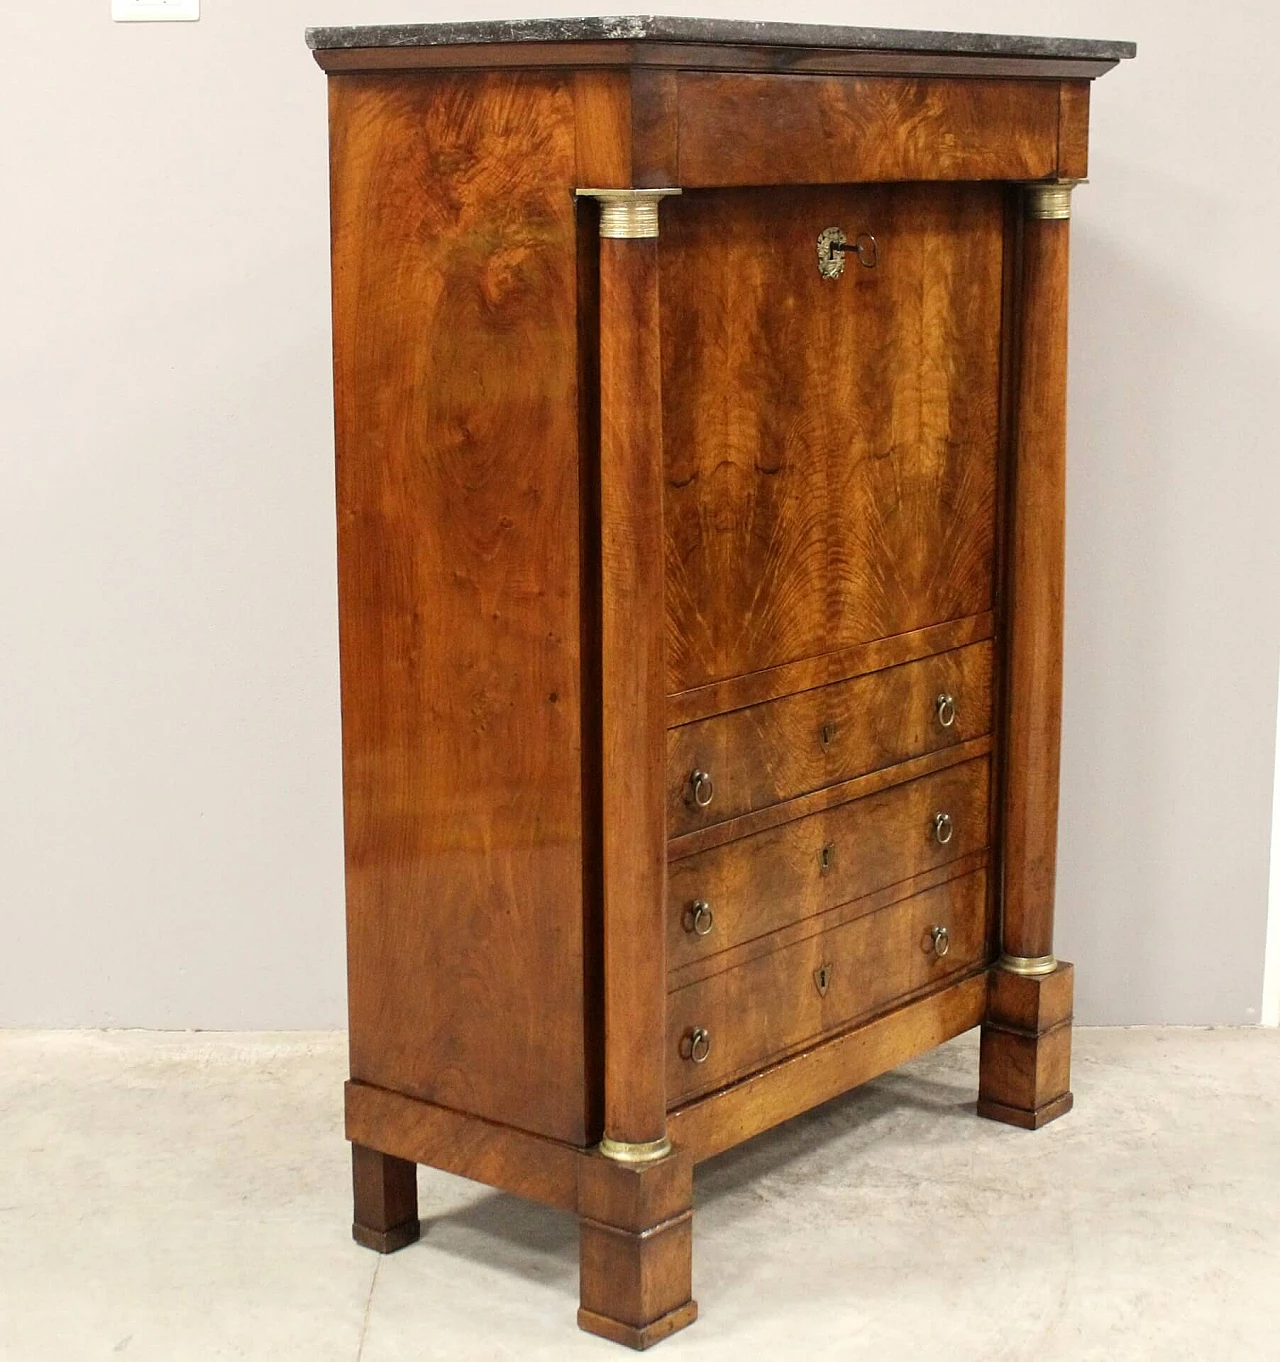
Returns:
point(697, 1045)
point(943, 828)
point(826, 857)
point(822, 978)
point(833, 245)
point(827, 735)
point(698, 917)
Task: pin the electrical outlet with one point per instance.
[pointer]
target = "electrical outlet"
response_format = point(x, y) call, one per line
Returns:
point(154, 11)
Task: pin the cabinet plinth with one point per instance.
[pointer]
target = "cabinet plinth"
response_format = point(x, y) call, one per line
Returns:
point(701, 448)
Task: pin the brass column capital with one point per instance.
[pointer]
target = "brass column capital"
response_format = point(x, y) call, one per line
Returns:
point(1049, 200)
point(627, 214)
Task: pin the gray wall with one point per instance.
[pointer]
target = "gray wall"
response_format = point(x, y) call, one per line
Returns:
point(169, 820)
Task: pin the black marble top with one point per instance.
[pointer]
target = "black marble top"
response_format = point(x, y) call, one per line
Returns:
point(632, 27)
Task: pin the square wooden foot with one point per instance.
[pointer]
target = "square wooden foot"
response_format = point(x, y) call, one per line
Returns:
point(636, 1248)
point(1025, 1065)
point(386, 1200)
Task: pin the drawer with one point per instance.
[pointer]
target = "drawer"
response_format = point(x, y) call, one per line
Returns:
point(771, 752)
point(735, 1022)
point(745, 889)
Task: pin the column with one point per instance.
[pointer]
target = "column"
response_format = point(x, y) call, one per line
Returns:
point(1026, 1039)
point(636, 1196)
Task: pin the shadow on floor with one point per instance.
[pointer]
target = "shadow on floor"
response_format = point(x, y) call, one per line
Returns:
point(539, 1243)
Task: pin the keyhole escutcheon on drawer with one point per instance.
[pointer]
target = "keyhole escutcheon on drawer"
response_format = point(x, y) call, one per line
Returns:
point(833, 245)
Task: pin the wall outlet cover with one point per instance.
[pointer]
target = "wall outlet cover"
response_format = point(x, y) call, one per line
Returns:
point(154, 11)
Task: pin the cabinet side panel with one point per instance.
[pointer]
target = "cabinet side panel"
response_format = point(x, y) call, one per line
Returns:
point(454, 260)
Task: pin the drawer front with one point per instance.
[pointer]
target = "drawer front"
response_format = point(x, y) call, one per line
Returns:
point(767, 753)
point(746, 889)
point(811, 129)
point(733, 1023)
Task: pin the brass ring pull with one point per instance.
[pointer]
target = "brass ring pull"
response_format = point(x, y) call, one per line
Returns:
point(939, 941)
point(698, 918)
point(946, 707)
point(943, 828)
point(702, 788)
point(699, 1044)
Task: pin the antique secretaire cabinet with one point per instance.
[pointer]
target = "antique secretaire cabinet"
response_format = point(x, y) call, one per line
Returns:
point(700, 397)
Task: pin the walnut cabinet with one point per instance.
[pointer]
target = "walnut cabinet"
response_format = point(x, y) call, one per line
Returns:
point(700, 413)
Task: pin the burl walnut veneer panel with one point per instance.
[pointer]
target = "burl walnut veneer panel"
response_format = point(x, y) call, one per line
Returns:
point(454, 262)
point(830, 443)
point(842, 129)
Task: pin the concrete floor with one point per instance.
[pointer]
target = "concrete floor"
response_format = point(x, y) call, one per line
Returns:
point(183, 1198)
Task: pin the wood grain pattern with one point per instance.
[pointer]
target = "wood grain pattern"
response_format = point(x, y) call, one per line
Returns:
point(636, 1248)
point(705, 57)
point(655, 129)
point(755, 688)
point(592, 730)
point(1036, 566)
point(602, 130)
point(385, 1195)
point(759, 1011)
point(458, 533)
point(1010, 302)
point(528, 1166)
point(830, 444)
point(761, 883)
point(790, 746)
point(703, 967)
point(807, 130)
point(633, 687)
point(1026, 1080)
point(1025, 1061)
point(775, 815)
point(712, 1124)
point(627, 130)
point(1073, 129)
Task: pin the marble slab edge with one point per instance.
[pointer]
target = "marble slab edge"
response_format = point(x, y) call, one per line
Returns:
point(640, 28)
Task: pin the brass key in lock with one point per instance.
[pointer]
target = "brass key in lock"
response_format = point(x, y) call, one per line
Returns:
point(833, 245)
